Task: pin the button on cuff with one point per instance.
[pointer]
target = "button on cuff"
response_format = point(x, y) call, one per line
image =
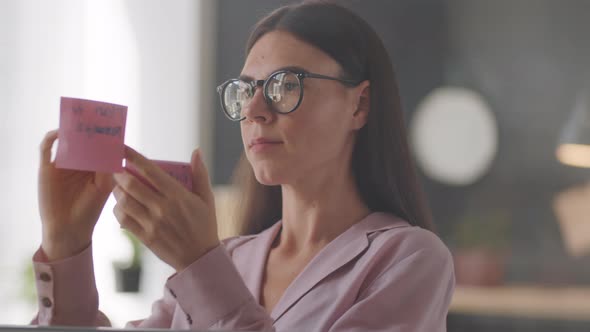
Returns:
point(44, 276)
point(46, 302)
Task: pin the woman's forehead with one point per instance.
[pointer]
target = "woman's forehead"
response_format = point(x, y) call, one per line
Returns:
point(278, 49)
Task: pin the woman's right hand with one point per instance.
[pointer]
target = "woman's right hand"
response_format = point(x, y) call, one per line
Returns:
point(70, 203)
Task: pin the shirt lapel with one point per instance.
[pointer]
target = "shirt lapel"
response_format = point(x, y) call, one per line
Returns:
point(346, 247)
point(251, 258)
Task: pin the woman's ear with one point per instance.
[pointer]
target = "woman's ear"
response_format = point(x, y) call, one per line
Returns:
point(363, 105)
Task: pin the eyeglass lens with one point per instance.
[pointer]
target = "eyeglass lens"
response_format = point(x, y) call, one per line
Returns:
point(282, 91)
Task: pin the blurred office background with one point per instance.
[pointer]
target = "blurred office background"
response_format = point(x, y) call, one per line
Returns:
point(491, 90)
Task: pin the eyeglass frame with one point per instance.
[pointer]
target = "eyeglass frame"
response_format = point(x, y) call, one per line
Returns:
point(254, 84)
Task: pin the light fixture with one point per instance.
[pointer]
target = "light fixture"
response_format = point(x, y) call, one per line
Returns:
point(573, 214)
point(571, 205)
point(454, 136)
point(574, 144)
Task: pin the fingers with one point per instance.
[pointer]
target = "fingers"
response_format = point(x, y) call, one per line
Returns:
point(139, 191)
point(201, 183)
point(137, 218)
point(152, 172)
point(46, 145)
point(130, 205)
point(127, 222)
point(133, 216)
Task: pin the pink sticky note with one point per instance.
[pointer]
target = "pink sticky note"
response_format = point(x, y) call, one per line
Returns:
point(91, 135)
point(178, 170)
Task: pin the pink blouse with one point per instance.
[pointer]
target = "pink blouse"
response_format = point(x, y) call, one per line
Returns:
point(379, 275)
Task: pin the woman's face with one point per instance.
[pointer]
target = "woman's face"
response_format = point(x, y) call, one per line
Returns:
point(317, 138)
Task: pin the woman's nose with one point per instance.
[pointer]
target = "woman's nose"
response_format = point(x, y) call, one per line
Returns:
point(258, 110)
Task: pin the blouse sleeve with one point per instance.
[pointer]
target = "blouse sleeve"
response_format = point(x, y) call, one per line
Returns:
point(211, 294)
point(66, 291)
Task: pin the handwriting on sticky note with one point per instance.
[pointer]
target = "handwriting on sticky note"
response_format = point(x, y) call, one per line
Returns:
point(91, 135)
point(178, 170)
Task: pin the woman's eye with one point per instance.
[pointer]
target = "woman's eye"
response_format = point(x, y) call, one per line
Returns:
point(290, 86)
point(244, 93)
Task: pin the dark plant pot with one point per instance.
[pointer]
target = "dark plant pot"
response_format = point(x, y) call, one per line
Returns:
point(479, 267)
point(127, 279)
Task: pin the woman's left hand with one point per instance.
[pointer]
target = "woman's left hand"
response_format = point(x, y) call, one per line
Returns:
point(178, 226)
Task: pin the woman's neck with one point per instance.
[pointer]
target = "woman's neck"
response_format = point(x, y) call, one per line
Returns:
point(317, 210)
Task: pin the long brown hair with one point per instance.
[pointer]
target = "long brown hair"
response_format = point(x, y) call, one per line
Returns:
point(382, 163)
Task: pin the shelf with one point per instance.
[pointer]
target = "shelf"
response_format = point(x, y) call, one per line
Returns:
point(524, 301)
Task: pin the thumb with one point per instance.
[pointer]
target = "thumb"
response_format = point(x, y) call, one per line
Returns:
point(200, 175)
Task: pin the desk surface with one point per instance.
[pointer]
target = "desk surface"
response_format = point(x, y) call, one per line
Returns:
point(524, 301)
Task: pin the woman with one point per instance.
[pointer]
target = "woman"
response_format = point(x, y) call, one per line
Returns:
point(338, 234)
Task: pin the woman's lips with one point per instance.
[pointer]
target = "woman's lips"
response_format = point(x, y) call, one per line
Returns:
point(262, 144)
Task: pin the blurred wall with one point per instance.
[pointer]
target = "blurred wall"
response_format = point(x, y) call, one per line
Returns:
point(529, 59)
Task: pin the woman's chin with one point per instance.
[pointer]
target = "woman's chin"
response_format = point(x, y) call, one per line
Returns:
point(269, 178)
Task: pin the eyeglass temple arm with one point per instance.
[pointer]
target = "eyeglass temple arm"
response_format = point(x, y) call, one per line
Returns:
point(349, 82)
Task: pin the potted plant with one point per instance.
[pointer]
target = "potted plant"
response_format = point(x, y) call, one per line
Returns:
point(481, 247)
point(128, 274)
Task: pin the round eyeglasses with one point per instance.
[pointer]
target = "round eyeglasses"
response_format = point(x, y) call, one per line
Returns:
point(282, 90)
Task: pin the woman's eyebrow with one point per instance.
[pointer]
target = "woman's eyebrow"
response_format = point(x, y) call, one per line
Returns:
point(295, 69)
